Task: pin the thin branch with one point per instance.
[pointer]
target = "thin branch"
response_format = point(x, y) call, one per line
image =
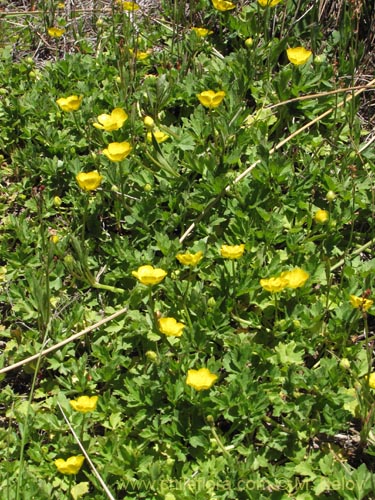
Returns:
point(64, 342)
point(96, 473)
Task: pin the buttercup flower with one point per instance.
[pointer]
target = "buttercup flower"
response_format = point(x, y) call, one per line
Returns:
point(232, 251)
point(295, 278)
point(114, 121)
point(274, 285)
point(371, 380)
point(223, 5)
point(148, 275)
point(140, 55)
point(89, 181)
point(202, 32)
point(171, 327)
point(71, 103)
point(298, 55)
point(70, 466)
point(84, 404)
point(129, 6)
point(117, 151)
point(361, 302)
point(211, 99)
point(321, 216)
point(189, 259)
point(269, 3)
point(159, 136)
point(201, 379)
point(56, 32)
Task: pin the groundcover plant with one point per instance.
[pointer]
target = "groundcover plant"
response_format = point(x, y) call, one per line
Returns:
point(186, 245)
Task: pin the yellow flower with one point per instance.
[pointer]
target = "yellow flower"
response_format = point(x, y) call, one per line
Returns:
point(202, 32)
point(223, 5)
point(211, 99)
point(148, 122)
point(269, 3)
point(321, 216)
point(70, 466)
point(201, 379)
point(274, 285)
point(295, 278)
point(148, 275)
point(56, 32)
point(84, 404)
point(298, 55)
point(129, 6)
point(189, 259)
point(89, 181)
point(159, 136)
point(114, 121)
point(71, 103)
point(361, 303)
point(54, 239)
point(117, 151)
point(232, 251)
point(171, 327)
point(371, 380)
point(139, 55)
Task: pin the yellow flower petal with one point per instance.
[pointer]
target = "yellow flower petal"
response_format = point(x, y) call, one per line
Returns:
point(171, 327)
point(71, 103)
point(55, 32)
point(89, 181)
point(202, 32)
point(117, 151)
point(148, 275)
point(223, 5)
point(295, 278)
point(361, 303)
point(232, 251)
point(159, 136)
point(111, 122)
point(298, 55)
point(189, 259)
point(70, 466)
point(321, 216)
point(211, 99)
point(84, 404)
point(274, 285)
point(201, 379)
point(269, 3)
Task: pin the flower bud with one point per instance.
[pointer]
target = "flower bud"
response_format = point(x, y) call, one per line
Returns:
point(147, 188)
point(149, 122)
point(152, 356)
point(345, 364)
point(249, 42)
point(321, 216)
point(57, 201)
point(331, 195)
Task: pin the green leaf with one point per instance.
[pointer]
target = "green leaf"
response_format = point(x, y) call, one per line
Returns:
point(79, 490)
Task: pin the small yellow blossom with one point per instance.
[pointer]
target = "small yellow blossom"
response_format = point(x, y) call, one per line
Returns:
point(148, 122)
point(201, 379)
point(298, 55)
point(361, 303)
point(140, 55)
point(189, 259)
point(89, 181)
point(111, 122)
point(84, 404)
point(56, 32)
point(171, 327)
point(274, 285)
point(71, 103)
point(148, 275)
point(70, 466)
point(295, 278)
point(232, 251)
point(61, 5)
point(129, 6)
point(54, 239)
point(371, 380)
point(159, 136)
point(223, 5)
point(211, 99)
point(117, 151)
point(57, 201)
point(269, 3)
point(202, 32)
point(321, 216)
